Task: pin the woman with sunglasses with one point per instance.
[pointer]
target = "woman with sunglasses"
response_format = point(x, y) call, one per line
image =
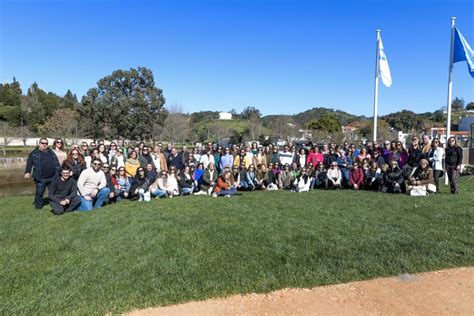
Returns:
point(160, 188)
point(394, 180)
point(453, 163)
point(333, 177)
point(139, 185)
point(225, 186)
point(435, 157)
point(75, 162)
point(112, 150)
point(58, 148)
point(123, 184)
point(414, 153)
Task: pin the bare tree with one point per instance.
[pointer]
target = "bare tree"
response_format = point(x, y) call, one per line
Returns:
point(7, 132)
point(176, 127)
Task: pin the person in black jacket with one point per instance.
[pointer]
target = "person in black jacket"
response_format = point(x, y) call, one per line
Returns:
point(185, 181)
point(63, 193)
point(43, 166)
point(453, 163)
point(394, 178)
point(139, 185)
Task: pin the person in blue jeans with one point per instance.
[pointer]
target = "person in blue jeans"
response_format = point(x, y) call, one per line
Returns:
point(43, 166)
point(92, 187)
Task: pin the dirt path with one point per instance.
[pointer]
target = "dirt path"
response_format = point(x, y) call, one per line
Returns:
point(434, 293)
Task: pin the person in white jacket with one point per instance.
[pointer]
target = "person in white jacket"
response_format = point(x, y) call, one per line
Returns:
point(302, 182)
point(435, 157)
point(333, 177)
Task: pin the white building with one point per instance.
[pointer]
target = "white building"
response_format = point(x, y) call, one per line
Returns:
point(225, 116)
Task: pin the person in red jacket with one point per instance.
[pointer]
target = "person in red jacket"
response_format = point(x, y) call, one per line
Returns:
point(356, 176)
point(225, 187)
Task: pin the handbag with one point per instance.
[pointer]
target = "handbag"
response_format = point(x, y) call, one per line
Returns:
point(418, 190)
point(431, 188)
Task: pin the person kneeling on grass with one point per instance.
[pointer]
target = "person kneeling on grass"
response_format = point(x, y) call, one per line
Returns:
point(63, 193)
point(225, 187)
point(356, 176)
point(92, 186)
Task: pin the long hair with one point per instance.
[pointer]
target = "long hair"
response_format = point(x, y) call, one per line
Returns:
point(80, 158)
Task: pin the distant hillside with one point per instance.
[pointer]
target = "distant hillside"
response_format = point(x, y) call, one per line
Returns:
point(315, 113)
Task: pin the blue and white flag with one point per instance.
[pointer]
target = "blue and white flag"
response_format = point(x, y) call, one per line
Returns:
point(384, 70)
point(462, 51)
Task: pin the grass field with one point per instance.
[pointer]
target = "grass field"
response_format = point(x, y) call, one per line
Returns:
point(134, 255)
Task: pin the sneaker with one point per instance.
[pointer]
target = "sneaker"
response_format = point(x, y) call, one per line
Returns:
point(227, 196)
point(209, 191)
point(214, 194)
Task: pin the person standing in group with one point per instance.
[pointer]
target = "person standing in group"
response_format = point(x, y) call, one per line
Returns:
point(453, 163)
point(435, 157)
point(92, 186)
point(58, 149)
point(63, 193)
point(43, 166)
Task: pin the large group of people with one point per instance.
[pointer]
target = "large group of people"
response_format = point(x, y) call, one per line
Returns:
point(92, 174)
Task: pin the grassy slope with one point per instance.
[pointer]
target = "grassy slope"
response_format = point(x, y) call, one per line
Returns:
point(135, 255)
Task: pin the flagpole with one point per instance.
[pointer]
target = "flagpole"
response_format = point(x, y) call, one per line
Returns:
point(450, 88)
point(376, 93)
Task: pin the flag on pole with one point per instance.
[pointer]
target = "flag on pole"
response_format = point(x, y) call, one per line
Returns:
point(462, 51)
point(384, 70)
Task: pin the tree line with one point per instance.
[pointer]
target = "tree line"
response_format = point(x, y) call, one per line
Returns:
point(128, 104)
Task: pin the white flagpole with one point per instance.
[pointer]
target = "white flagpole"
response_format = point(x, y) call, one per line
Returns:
point(450, 89)
point(376, 93)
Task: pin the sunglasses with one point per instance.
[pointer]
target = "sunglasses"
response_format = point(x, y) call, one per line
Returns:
point(141, 170)
point(106, 167)
point(163, 174)
point(121, 170)
point(43, 143)
point(59, 142)
point(96, 164)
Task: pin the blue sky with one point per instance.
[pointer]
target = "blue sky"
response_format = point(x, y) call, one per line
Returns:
point(282, 57)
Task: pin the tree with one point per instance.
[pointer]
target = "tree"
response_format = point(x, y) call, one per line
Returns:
point(470, 106)
point(250, 112)
point(7, 132)
point(383, 130)
point(176, 128)
point(125, 104)
point(70, 100)
point(327, 123)
point(457, 104)
point(63, 123)
point(404, 121)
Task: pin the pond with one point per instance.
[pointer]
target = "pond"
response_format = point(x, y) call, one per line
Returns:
point(12, 183)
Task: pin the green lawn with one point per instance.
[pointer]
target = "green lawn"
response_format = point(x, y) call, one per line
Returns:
point(134, 255)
